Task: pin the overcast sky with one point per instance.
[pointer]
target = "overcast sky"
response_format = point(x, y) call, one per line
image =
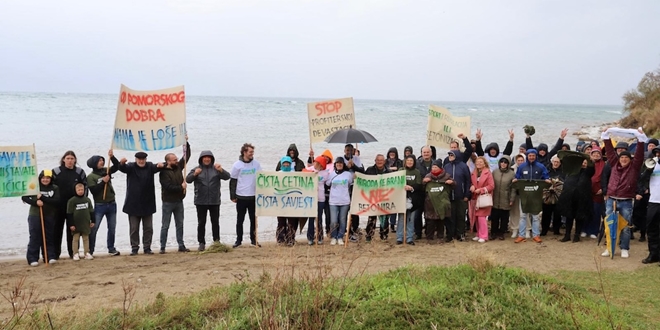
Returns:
point(586, 52)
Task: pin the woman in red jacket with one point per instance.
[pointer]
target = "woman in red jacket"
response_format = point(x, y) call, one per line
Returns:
point(482, 183)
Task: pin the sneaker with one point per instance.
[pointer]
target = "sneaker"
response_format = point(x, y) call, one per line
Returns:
point(353, 239)
point(583, 234)
point(481, 240)
point(519, 240)
point(528, 235)
point(393, 228)
point(340, 241)
point(148, 251)
point(134, 252)
point(333, 241)
point(399, 242)
point(410, 243)
point(201, 247)
point(162, 251)
point(514, 235)
point(114, 253)
point(76, 257)
point(605, 254)
point(476, 238)
point(52, 261)
point(537, 239)
point(183, 249)
point(310, 242)
point(34, 264)
point(237, 244)
point(255, 244)
point(88, 256)
point(593, 236)
point(320, 242)
point(624, 253)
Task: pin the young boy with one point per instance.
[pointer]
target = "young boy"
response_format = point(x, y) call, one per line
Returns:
point(47, 199)
point(80, 220)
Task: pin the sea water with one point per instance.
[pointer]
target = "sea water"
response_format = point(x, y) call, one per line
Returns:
point(84, 123)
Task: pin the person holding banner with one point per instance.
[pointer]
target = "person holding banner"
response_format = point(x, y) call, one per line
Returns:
point(100, 185)
point(43, 208)
point(340, 182)
point(424, 164)
point(207, 178)
point(465, 155)
point(313, 234)
point(378, 168)
point(65, 177)
point(286, 226)
point(394, 163)
point(437, 204)
point(414, 201)
point(173, 191)
point(242, 188)
point(140, 202)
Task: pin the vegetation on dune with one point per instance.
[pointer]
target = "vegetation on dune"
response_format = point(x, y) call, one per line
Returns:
point(642, 105)
point(479, 295)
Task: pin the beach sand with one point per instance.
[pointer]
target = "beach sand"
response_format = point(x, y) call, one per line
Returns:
point(90, 285)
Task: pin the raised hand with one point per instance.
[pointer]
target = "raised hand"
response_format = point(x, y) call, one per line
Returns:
point(563, 133)
point(511, 134)
point(479, 135)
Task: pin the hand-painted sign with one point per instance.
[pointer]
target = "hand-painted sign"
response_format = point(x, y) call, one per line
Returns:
point(287, 194)
point(379, 194)
point(18, 171)
point(443, 128)
point(326, 117)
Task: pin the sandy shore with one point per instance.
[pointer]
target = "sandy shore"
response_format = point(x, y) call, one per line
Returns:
point(96, 284)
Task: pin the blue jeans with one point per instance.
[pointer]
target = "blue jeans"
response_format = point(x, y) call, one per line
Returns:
point(625, 207)
point(109, 210)
point(338, 217)
point(312, 225)
point(169, 209)
point(522, 228)
point(410, 226)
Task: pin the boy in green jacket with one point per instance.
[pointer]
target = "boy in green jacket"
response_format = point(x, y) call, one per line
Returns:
point(80, 220)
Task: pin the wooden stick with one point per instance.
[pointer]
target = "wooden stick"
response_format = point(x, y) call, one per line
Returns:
point(43, 235)
point(348, 230)
point(404, 229)
point(256, 231)
point(105, 188)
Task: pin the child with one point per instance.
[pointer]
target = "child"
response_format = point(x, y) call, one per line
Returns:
point(80, 218)
point(46, 199)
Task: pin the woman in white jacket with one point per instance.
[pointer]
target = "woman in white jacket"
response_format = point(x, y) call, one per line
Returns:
point(339, 181)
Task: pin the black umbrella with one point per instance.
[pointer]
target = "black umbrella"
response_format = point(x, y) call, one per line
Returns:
point(350, 135)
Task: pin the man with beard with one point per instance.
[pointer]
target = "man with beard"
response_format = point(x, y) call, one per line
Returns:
point(173, 190)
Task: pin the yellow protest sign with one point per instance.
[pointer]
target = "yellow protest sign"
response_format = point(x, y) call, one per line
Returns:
point(443, 128)
point(326, 117)
point(150, 120)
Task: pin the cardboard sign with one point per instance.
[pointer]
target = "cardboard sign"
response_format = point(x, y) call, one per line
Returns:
point(327, 117)
point(379, 194)
point(150, 120)
point(287, 194)
point(443, 128)
point(18, 171)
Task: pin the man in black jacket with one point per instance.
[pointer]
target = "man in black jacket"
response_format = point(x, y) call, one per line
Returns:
point(173, 191)
point(140, 202)
point(378, 168)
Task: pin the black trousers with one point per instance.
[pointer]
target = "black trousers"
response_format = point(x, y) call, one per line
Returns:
point(578, 212)
point(374, 222)
point(499, 221)
point(58, 233)
point(458, 211)
point(434, 226)
point(214, 212)
point(550, 215)
point(639, 213)
point(245, 205)
point(653, 228)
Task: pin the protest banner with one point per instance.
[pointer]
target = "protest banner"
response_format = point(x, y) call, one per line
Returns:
point(379, 194)
point(287, 194)
point(150, 120)
point(327, 117)
point(18, 171)
point(443, 128)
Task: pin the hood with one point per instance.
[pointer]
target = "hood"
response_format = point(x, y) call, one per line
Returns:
point(490, 146)
point(286, 159)
point(205, 153)
point(395, 151)
point(531, 151)
point(508, 159)
point(328, 154)
point(93, 161)
point(339, 160)
point(408, 148)
point(542, 146)
point(293, 147)
point(457, 156)
point(414, 162)
point(568, 146)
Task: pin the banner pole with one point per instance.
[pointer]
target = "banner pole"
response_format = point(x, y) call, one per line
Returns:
point(348, 230)
point(404, 229)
